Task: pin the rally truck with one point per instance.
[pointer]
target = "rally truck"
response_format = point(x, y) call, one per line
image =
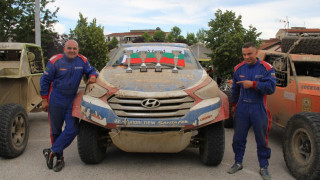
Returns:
point(21, 66)
point(152, 98)
point(295, 105)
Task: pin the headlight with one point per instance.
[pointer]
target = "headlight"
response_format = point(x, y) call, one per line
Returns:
point(209, 91)
point(95, 90)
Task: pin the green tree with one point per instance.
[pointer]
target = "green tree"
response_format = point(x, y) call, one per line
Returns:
point(251, 36)
point(175, 32)
point(146, 36)
point(159, 36)
point(91, 40)
point(113, 43)
point(225, 38)
point(201, 35)
point(169, 38)
point(17, 22)
point(181, 39)
point(191, 39)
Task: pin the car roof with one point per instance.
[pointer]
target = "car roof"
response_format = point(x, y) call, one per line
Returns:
point(181, 45)
point(294, 57)
point(15, 45)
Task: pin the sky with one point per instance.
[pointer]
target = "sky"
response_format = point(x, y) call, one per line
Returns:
point(117, 16)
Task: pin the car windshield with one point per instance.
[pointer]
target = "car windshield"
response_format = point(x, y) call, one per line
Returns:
point(186, 59)
point(10, 55)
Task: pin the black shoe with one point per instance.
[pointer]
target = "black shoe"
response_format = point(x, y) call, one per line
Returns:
point(265, 173)
point(49, 155)
point(59, 164)
point(235, 167)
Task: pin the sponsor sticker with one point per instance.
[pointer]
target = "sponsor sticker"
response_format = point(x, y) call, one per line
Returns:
point(309, 87)
point(289, 95)
point(78, 67)
point(306, 104)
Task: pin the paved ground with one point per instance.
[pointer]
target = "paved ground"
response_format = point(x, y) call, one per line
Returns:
point(121, 165)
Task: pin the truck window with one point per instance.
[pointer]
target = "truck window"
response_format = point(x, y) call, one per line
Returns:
point(307, 68)
point(36, 62)
point(10, 55)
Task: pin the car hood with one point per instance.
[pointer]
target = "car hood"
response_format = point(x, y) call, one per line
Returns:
point(151, 81)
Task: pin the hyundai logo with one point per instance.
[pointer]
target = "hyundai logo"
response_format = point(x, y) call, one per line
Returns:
point(150, 103)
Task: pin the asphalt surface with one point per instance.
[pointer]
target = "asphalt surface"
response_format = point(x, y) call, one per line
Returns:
point(121, 165)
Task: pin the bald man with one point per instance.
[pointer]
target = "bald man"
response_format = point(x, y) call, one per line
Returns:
point(59, 85)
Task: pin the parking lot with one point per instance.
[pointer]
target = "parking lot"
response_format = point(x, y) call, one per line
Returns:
point(122, 165)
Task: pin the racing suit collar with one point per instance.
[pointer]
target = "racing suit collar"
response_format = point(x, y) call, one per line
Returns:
point(65, 57)
point(253, 65)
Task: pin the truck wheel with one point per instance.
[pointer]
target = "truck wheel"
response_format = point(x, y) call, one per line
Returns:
point(91, 147)
point(301, 145)
point(228, 123)
point(14, 130)
point(212, 144)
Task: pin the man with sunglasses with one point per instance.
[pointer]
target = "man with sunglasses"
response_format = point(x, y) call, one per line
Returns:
point(59, 85)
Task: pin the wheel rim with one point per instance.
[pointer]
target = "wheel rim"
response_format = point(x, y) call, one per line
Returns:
point(18, 130)
point(302, 145)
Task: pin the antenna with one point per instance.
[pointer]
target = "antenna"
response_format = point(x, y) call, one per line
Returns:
point(286, 25)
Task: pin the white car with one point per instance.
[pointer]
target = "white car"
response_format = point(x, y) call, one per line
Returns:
point(152, 97)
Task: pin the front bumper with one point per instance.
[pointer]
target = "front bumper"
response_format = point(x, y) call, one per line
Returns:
point(98, 111)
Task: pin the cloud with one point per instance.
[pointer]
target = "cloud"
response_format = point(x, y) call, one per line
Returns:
point(124, 12)
point(60, 28)
point(119, 15)
point(266, 16)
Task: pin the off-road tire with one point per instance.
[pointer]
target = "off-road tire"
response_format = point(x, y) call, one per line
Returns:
point(212, 144)
point(307, 45)
point(14, 130)
point(301, 146)
point(228, 123)
point(90, 146)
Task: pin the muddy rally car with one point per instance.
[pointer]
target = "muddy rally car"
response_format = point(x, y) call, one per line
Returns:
point(21, 66)
point(152, 98)
point(295, 105)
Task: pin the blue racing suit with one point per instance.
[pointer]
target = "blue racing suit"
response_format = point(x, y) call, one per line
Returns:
point(251, 108)
point(59, 84)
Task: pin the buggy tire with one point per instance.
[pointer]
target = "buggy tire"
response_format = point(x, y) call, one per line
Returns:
point(14, 130)
point(228, 123)
point(212, 144)
point(301, 145)
point(307, 45)
point(90, 146)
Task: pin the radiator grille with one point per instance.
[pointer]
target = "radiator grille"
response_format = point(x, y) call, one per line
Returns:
point(169, 107)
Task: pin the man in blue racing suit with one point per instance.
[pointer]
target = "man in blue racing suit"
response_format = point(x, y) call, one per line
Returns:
point(253, 80)
point(59, 85)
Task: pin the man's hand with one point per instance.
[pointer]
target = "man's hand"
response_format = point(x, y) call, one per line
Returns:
point(91, 80)
point(45, 105)
point(246, 84)
point(233, 108)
